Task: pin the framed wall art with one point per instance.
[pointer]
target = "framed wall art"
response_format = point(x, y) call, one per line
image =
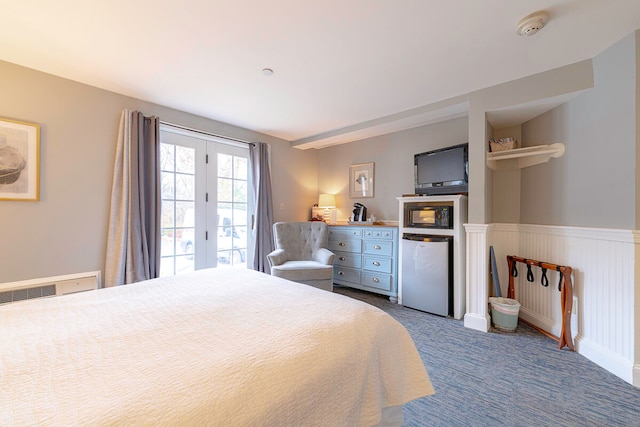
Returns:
point(19, 160)
point(361, 179)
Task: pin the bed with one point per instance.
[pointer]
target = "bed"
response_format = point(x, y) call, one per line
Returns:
point(228, 347)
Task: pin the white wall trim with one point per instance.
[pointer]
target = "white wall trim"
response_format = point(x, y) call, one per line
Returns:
point(607, 234)
point(477, 313)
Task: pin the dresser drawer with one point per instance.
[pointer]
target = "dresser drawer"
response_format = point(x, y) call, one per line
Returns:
point(378, 281)
point(345, 245)
point(378, 233)
point(378, 247)
point(344, 232)
point(341, 273)
point(382, 265)
point(348, 259)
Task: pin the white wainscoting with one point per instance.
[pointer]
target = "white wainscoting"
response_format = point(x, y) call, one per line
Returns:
point(603, 263)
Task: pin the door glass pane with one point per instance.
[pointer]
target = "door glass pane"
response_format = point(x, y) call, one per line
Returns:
point(239, 191)
point(240, 168)
point(185, 160)
point(178, 207)
point(167, 157)
point(232, 210)
point(167, 246)
point(225, 166)
point(185, 186)
point(225, 190)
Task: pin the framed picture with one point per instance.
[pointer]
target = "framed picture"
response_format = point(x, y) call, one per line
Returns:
point(19, 160)
point(361, 180)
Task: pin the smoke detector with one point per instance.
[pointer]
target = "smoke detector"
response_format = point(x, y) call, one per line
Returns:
point(531, 24)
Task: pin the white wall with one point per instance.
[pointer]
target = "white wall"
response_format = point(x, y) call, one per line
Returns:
point(393, 158)
point(65, 232)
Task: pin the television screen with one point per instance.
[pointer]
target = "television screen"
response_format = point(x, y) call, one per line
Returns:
point(444, 169)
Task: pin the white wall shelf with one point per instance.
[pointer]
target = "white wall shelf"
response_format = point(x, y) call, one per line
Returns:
point(524, 157)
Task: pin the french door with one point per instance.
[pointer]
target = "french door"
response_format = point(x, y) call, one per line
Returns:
point(206, 202)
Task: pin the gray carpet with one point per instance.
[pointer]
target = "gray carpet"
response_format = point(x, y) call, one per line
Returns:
point(506, 379)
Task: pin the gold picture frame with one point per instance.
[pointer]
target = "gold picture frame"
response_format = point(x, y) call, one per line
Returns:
point(361, 180)
point(19, 160)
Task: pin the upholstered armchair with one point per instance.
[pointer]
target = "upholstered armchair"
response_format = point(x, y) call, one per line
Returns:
point(301, 253)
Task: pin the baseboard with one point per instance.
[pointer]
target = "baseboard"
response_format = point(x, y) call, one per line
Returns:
point(477, 322)
point(610, 361)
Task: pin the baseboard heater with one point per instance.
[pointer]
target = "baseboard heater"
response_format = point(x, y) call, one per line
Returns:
point(49, 286)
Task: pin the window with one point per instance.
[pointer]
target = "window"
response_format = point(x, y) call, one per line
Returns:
point(206, 202)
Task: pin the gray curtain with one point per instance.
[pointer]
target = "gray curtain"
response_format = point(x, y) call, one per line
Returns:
point(259, 154)
point(133, 239)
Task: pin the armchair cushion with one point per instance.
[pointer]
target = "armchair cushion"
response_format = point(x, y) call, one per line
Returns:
point(303, 270)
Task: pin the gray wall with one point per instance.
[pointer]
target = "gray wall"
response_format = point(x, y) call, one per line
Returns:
point(594, 183)
point(393, 158)
point(65, 232)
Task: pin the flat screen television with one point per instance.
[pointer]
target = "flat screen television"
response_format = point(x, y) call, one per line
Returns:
point(443, 171)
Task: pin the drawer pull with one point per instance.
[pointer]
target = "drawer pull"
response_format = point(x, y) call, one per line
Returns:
point(377, 247)
point(376, 263)
point(376, 280)
point(340, 273)
point(342, 244)
point(342, 258)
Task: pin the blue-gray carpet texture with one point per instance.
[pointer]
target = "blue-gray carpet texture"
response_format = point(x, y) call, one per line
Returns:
point(506, 379)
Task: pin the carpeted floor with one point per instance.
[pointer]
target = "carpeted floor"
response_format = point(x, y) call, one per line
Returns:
point(506, 379)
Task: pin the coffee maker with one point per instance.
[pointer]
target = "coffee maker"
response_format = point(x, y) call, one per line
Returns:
point(359, 213)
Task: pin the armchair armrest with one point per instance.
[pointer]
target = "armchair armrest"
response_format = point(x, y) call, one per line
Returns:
point(277, 257)
point(324, 256)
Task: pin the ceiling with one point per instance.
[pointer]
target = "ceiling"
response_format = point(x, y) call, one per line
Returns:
point(342, 68)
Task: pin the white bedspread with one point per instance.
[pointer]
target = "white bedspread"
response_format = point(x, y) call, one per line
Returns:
point(219, 347)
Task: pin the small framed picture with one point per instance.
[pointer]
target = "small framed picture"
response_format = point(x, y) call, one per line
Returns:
point(361, 180)
point(19, 160)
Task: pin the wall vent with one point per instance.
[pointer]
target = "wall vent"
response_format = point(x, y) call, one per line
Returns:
point(29, 293)
point(49, 286)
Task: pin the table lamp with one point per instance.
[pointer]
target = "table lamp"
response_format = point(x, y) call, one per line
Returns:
point(327, 202)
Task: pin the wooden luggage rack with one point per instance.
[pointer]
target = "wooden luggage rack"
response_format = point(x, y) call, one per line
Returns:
point(564, 286)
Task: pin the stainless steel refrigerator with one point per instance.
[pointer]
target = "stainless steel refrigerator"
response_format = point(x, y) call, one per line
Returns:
point(427, 283)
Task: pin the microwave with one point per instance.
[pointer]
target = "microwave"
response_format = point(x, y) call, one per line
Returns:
point(428, 215)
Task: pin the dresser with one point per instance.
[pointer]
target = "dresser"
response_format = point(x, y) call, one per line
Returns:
point(366, 258)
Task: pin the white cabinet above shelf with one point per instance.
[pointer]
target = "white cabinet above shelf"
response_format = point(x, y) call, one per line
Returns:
point(524, 157)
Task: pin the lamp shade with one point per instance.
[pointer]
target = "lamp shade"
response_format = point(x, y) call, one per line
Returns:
point(327, 201)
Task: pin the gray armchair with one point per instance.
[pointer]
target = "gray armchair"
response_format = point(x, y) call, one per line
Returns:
point(301, 254)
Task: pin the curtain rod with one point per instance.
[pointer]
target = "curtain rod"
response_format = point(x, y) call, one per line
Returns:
point(206, 133)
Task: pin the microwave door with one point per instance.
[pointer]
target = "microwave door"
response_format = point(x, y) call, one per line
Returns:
point(424, 216)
